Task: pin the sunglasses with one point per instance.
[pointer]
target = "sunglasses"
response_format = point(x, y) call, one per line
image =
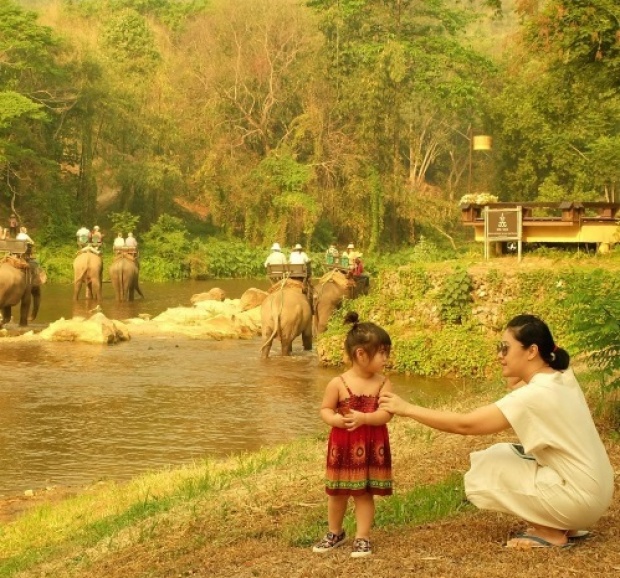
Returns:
point(502, 348)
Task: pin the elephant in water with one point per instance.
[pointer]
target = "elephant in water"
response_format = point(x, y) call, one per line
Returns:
point(329, 292)
point(124, 273)
point(20, 282)
point(286, 313)
point(87, 269)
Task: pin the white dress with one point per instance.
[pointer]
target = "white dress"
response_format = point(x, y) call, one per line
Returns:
point(564, 479)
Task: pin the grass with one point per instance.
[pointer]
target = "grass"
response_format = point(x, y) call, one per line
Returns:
point(209, 519)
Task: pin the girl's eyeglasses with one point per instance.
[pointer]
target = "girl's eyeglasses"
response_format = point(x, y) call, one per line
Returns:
point(502, 348)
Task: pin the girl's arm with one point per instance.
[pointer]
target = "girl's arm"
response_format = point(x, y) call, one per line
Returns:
point(484, 420)
point(380, 416)
point(330, 403)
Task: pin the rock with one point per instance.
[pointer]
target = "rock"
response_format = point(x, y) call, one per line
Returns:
point(252, 298)
point(214, 294)
point(96, 329)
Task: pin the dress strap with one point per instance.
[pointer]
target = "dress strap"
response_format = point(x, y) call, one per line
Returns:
point(347, 387)
point(382, 384)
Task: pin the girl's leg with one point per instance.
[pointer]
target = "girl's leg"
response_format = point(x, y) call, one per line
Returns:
point(336, 508)
point(364, 515)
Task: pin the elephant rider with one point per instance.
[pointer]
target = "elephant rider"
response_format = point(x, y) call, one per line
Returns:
point(131, 241)
point(119, 243)
point(83, 237)
point(12, 226)
point(331, 255)
point(276, 257)
point(299, 257)
point(96, 238)
point(357, 273)
point(24, 236)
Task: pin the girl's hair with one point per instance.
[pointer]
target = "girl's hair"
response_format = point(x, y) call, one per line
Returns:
point(370, 337)
point(529, 330)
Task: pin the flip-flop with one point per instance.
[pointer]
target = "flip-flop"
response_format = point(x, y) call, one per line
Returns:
point(579, 535)
point(534, 542)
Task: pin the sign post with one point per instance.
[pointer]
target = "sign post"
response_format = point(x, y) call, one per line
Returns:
point(502, 225)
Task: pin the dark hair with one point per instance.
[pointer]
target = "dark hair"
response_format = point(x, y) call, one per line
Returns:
point(369, 336)
point(529, 330)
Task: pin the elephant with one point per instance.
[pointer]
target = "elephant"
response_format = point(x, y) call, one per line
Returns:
point(124, 273)
point(20, 282)
point(329, 292)
point(286, 313)
point(87, 269)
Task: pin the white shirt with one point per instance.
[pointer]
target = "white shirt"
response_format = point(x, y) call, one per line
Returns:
point(119, 242)
point(298, 258)
point(131, 242)
point(24, 237)
point(275, 258)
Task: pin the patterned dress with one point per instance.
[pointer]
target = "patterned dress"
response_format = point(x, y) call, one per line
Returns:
point(360, 461)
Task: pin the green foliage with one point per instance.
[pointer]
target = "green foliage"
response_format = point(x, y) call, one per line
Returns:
point(594, 303)
point(123, 222)
point(129, 42)
point(14, 106)
point(456, 350)
point(455, 297)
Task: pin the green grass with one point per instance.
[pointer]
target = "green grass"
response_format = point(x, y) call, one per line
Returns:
point(420, 505)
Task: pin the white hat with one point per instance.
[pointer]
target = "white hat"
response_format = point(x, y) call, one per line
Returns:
point(276, 247)
point(298, 247)
point(350, 246)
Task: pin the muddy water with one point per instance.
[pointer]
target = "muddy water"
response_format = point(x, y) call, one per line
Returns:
point(73, 414)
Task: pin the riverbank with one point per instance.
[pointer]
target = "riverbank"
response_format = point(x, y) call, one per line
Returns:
point(258, 514)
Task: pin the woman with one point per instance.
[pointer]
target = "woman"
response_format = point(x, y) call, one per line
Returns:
point(559, 477)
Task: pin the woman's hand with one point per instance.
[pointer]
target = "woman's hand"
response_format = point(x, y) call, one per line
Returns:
point(390, 402)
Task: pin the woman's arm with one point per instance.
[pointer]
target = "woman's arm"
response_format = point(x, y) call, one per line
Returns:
point(484, 420)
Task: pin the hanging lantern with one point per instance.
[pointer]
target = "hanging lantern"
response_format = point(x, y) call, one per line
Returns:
point(482, 142)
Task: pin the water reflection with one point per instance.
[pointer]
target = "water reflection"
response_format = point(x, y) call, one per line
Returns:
point(73, 413)
point(57, 301)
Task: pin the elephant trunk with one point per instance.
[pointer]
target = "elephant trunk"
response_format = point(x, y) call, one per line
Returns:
point(36, 302)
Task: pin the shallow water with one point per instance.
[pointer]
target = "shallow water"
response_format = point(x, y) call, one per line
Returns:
point(71, 414)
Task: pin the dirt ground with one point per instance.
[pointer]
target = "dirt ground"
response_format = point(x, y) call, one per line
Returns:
point(254, 545)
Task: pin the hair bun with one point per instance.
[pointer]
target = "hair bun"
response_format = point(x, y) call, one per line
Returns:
point(352, 317)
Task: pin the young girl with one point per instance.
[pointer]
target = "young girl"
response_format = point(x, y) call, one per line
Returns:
point(359, 462)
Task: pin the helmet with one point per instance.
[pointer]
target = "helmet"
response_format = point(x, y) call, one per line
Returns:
point(95, 228)
point(350, 246)
point(298, 247)
point(276, 247)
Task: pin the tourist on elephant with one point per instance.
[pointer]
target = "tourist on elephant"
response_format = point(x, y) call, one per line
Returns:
point(276, 257)
point(359, 462)
point(558, 478)
point(13, 224)
point(298, 256)
point(331, 255)
point(97, 237)
point(119, 243)
point(131, 241)
point(24, 236)
point(83, 237)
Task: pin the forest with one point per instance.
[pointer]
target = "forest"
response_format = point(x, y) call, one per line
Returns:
point(306, 121)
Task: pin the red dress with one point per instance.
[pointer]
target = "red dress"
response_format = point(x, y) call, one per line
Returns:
point(360, 461)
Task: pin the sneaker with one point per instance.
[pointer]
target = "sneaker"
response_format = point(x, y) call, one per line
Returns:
point(361, 548)
point(329, 542)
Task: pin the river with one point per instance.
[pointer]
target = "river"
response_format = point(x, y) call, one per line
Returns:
point(73, 414)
